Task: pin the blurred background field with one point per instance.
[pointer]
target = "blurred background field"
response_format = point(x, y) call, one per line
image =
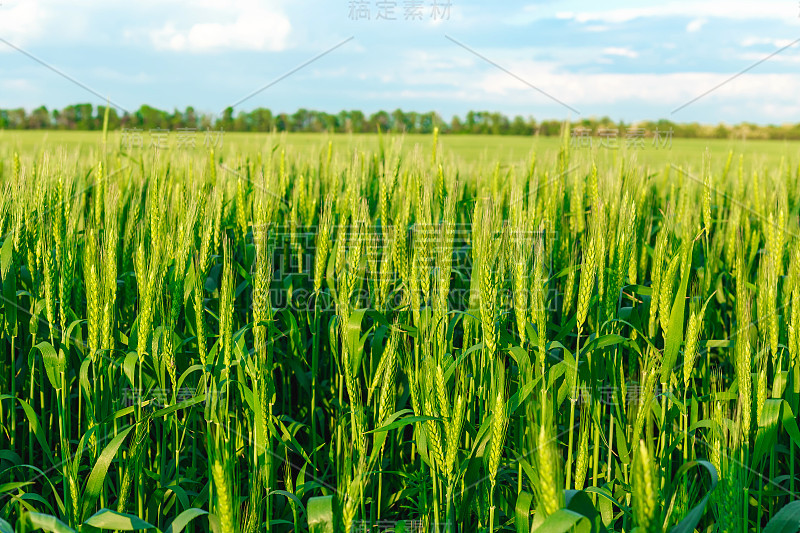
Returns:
point(508, 149)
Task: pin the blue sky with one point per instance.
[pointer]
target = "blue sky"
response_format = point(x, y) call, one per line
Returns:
point(628, 60)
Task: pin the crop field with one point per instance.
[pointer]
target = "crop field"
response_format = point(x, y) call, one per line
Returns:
point(383, 333)
point(468, 149)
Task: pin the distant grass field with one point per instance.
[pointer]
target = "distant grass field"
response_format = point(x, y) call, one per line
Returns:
point(467, 148)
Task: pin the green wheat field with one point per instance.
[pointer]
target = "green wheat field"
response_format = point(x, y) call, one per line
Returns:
point(375, 333)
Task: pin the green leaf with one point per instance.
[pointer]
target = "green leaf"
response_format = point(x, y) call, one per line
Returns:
point(321, 514)
point(45, 522)
point(35, 427)
point(10, 300)
point(13, 486)
point(402, 422)
point(184, 518)
point(787, 520)
point(521, 356)
point(675, 333)
point(287, 436)
point(194, 400)
point(563, 521)
point(522, 512)
point(5, 527)
point(691, 519)
point(95, 482)
point(767, 429)
point(527, 469)
point(579, 501)
point(290, 496)
point(354, 338)
point(789, 422)
point(603, 342)
point(108, 519)
point(6, 254)
point(129, 367)
point(607, 496)
point(51, 363)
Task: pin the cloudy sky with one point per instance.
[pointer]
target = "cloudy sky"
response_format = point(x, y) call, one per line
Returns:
point(627, 60)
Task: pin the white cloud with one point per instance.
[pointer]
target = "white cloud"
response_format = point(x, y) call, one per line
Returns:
point(438, 62)
point(755, 41)
point(19, 92)
point(236, 25)
point(121, 77)
point(623, 52)
point(778, 58)
point(194, 25)
point(670, 88)
point(18, 85)
point(778, 112)
point(597, 27)
point(591, 93)
point(696, 25)
point(22, 22)
point(27, 23)
point(733, 9)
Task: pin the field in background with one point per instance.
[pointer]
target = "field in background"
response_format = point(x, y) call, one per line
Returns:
point(469, 148)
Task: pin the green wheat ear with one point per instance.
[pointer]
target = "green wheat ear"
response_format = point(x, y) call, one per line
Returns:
point(499, 425)
point(645, 491)
point(582, 460)
point(224, 499)
point(549, 496)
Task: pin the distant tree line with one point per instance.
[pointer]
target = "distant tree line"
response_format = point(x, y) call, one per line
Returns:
point(89, 117)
